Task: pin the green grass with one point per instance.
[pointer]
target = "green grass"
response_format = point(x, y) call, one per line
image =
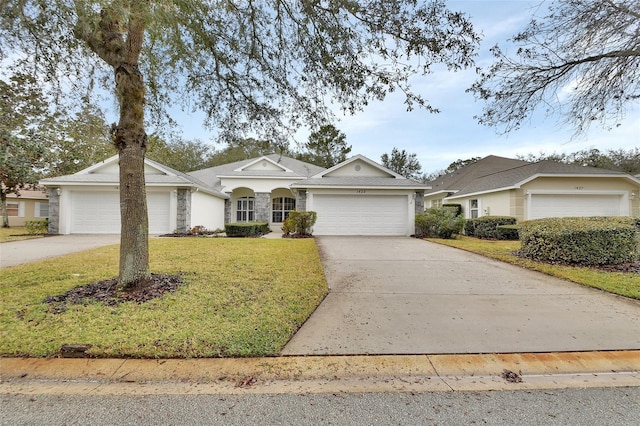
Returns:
point(16, 233)
point(244, 297)
point(624, 284)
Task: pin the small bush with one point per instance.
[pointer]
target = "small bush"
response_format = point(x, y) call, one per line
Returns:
point(486, 227)
point(38, 226)
point(507, 232)
point(246, 229)
point(581, 240)
point(299, 223)
point(455, 208)
point(438, 223)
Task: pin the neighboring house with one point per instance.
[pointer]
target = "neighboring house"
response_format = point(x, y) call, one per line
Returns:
point(29, 205)
point(356, 197)
point(497, 186)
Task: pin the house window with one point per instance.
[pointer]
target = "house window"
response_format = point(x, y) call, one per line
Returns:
point(42, 209)
point(473, 209)
point(245, 209)
point(15, 208)
point(436, 204)
point(281, 207)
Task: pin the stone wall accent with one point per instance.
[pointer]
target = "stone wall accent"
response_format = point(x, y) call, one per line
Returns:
point(227, 209)
point(301, 200)
point(54, 211)
point(419, 202)
point(262, 207)
point(184, 210)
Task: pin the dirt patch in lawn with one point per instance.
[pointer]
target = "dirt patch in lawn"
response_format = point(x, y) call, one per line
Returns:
point(108, 293)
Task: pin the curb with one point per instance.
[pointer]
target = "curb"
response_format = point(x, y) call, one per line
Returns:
point(361, 373)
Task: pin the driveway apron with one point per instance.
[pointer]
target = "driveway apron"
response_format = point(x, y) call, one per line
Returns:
point(407, 296)
point(19, 252)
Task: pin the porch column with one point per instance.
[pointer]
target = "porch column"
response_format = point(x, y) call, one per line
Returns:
point(301, 200)
point(227, 208)
point(262, 207)
point(419, 202)
point(184, 210)
point(54, 211)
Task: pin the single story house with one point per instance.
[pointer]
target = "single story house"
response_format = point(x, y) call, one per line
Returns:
point(499, 186)
point(88, 202)
point(31, 204)
point(355, 197)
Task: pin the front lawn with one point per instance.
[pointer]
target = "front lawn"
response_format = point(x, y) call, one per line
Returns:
point(16, 233)
point(622, 283)
point(243, 297)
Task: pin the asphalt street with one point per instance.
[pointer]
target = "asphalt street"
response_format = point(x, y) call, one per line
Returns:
point(610, 406)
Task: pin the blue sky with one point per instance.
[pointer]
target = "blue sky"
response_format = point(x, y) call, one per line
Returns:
point(440, 139)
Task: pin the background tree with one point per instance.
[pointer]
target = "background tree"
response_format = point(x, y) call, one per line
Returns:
point(325, 147)
point(622, 160)
point(182, 155)
point(403, 163)
point(581, 60)
point(78, 141)
point(24, 113)
point(265, 67)
point(244, 148)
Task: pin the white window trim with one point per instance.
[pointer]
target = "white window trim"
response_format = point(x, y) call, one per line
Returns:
point(478, 208)
point(21, 207)
point(38, 212)
point(248, 199)
point(283, 211)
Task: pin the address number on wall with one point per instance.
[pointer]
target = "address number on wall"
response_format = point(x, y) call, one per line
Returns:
point(361, 191)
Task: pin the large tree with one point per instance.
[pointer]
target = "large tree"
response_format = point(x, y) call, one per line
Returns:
point(403, 163)
point(23, 125)
point(325, 147)
point(581, 61)
point(180, 154)
point(252, 66)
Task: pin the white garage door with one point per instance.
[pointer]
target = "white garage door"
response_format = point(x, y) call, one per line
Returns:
point(360, 215)
point(98, 212)
point(567, 205)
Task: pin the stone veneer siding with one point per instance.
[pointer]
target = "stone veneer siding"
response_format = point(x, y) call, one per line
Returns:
point(262, 207)
point(301, 200)
point(54, 211)
point(184, 210)
point(419, 204)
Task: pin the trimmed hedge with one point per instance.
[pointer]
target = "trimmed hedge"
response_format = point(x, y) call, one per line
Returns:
point(486, 227)
point(507, 232)
point(438, 223)
point(246, 229)
point(37, 226)
point(581, 240)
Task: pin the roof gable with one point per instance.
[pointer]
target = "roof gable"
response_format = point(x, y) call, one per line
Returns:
point(358, 166)
point(263, 164)
point(112, 166)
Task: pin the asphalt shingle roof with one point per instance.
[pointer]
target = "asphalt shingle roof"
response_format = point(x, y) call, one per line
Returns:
point(299, 169)
point(494, 172)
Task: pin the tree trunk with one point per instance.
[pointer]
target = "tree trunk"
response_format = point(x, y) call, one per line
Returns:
point(5, 214)
point(130, 139)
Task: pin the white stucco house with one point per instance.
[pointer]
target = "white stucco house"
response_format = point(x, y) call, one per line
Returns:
point(499, 186)
point(356, 197)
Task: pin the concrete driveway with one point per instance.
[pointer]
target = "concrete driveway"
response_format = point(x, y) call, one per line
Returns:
point(407, 296)
point(19, 252)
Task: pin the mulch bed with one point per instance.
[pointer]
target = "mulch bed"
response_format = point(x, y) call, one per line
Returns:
point(107, 292)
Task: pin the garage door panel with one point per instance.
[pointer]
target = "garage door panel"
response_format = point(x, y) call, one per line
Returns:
point(360, 215)
point(98, 212)
point(569, 205)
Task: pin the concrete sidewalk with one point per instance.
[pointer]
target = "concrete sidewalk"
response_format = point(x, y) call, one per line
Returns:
point(19, 252)
point(400, 373)
point(408, 296)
